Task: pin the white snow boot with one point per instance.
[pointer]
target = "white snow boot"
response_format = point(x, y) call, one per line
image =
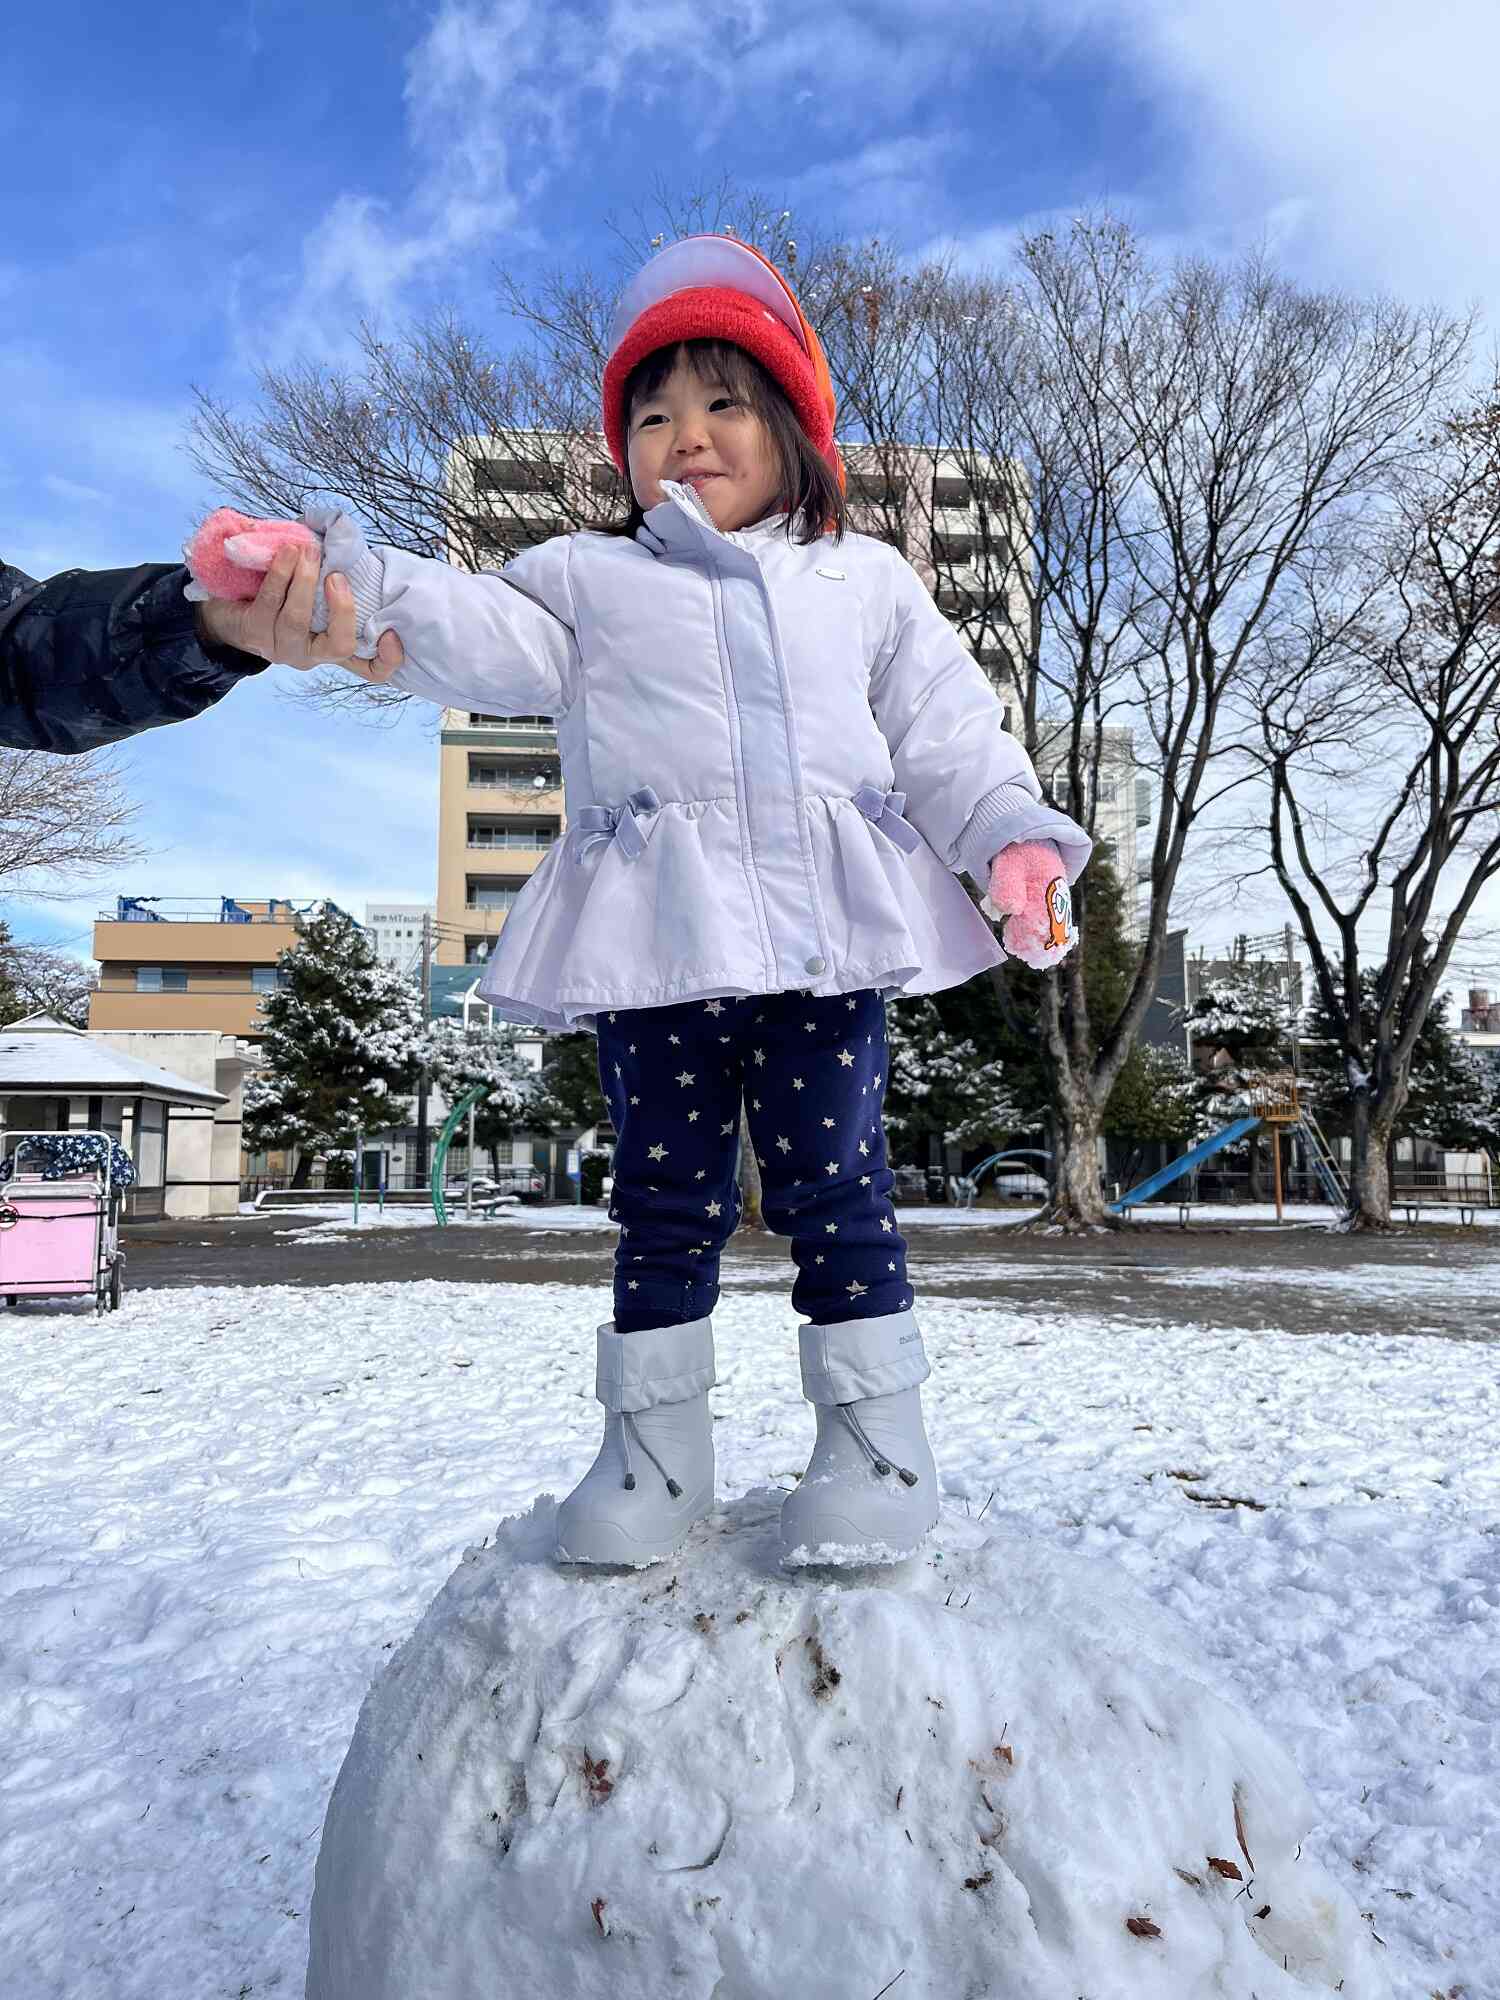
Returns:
point(870, 1491)
point(654, 1475)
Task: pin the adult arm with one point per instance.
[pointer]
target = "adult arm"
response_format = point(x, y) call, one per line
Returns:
point(92, 656)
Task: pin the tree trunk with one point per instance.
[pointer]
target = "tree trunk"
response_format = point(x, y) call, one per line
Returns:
point(1077, 1186)
point(1370, 1167)
point(302, 1172)
point(750, 1210)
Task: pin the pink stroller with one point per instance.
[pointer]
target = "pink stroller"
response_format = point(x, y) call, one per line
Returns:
point(60, 1216)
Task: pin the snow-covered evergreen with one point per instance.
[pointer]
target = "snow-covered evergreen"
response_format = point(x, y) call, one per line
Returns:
point(457, 1058)
point(343, 1034)
point(940, 1082)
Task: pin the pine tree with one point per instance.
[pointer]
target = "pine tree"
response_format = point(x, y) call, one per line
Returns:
point(343, 1036)
point(1454, 1095)
point(940, 1082)
point(568, 1094)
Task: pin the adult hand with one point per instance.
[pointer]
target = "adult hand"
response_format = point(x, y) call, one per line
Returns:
point(276, 624)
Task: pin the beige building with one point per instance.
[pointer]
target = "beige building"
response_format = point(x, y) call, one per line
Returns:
point(500, 792)
point(167, 964)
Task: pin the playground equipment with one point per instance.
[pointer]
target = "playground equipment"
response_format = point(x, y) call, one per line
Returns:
point(973, 1181)
point(461, 1114)
point(1275, 1102)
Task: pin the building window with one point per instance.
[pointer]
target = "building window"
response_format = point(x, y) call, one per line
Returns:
point(491, 895)
point(522, 774)
point(476, 950)
point(951, 492)
point(511, 475)
point(954, 548)
point(264, 978)
point(878, 488)
point(604, 479)
point(161, 979)
point(513, 833)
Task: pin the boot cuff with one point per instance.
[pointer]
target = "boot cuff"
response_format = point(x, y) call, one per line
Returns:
point(862, 1357)
point(663, 1364)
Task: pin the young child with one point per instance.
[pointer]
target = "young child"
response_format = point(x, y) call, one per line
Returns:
point(776, 754)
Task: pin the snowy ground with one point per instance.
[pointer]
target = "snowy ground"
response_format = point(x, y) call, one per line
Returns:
point(221, 1509)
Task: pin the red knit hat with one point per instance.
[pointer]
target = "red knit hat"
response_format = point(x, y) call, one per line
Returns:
point(717, 288)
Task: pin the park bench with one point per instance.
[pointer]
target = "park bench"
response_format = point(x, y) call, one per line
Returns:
point(1412, 1200)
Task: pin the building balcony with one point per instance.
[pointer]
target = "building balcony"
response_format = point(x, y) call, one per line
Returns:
point(506, 795)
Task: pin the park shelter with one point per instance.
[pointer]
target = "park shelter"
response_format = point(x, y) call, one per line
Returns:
point(56, 1078)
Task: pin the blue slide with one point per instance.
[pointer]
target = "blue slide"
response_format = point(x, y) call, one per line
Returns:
point(1165, 1176)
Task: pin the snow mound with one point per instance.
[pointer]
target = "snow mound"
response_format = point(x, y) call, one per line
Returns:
point(995, 1772)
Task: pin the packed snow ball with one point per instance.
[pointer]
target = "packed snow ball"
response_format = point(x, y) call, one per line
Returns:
point(995, 1772)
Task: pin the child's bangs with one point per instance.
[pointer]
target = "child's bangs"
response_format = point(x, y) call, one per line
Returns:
point(711, 361)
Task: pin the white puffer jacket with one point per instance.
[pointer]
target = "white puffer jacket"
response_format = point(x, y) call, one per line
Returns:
point(774, 758)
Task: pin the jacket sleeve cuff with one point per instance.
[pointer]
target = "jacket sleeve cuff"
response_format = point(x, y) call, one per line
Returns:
point(166, 615)
point(346, 553)
point(1011, 813)
point(364, 570)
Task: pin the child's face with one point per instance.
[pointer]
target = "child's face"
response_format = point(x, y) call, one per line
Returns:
point(696, 432)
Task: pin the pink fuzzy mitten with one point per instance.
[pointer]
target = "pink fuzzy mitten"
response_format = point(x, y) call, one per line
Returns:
point(1029, 888)
point(230, 554)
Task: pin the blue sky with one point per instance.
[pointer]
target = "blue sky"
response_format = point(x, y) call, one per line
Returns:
point(183, 202)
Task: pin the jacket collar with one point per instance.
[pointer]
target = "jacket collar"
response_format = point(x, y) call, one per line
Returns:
point(682, 524)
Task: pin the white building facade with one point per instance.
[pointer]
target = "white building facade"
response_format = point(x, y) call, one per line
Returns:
point(396, 931)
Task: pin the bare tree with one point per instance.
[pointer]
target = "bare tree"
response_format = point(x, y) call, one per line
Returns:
point(1377, 718)
point(41, 979)
point(62, 821)
point(1154, 460)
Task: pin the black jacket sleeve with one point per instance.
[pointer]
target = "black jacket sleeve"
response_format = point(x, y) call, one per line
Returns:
point(92, 656)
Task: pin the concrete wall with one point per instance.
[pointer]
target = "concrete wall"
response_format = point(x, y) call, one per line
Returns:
point(203, 1144)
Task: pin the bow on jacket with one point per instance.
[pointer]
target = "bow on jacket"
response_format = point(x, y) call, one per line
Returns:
point(621, 824)
point(885, 809)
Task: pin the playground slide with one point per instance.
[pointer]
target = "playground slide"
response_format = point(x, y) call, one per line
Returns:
point(1164, 1176)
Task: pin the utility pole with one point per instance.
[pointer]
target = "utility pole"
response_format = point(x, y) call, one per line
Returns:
point(423, 1081)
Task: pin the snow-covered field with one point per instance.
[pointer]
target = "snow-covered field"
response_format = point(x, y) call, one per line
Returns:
point(223, 1508)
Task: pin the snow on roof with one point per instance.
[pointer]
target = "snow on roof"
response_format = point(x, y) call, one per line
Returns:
point(68, 1063)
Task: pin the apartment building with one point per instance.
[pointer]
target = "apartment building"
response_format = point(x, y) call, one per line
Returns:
point(179, 963)
point(500, 792)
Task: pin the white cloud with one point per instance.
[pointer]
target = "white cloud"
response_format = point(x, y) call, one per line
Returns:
point(504, 97)
point(1364, 134)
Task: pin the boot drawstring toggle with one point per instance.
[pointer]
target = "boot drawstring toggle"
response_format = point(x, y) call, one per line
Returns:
point(629, 1431)
point(882, 1466)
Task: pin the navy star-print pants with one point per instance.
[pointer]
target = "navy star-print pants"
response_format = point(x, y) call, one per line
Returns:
point(812, 1075)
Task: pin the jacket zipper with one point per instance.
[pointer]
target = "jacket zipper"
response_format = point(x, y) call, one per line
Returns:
point(736, 751)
